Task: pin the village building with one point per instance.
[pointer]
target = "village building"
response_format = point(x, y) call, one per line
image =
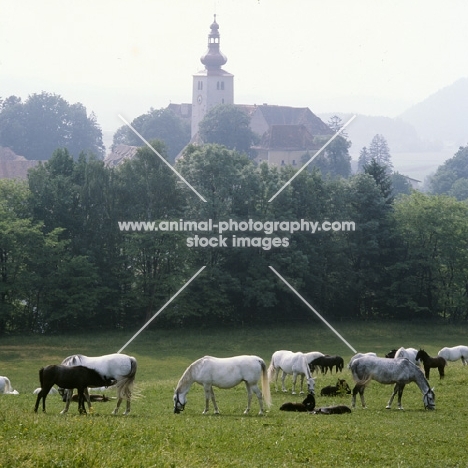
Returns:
point(13, 166)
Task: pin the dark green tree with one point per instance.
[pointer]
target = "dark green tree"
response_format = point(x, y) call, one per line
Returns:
point(227, 125)
point(46, 122)
point(431, 279)
point(157, 124)
point(450, 178)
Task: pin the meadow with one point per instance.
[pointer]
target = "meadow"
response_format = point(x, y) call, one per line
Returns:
point(153, 436)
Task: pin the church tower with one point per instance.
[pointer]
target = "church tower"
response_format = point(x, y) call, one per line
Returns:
point(213, 85)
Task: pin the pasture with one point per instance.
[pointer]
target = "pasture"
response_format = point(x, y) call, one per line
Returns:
point(153, 436)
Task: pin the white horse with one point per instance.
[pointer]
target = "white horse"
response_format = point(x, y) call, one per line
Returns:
point(6, 387)
point(389, 371)
point(408, 353)
point(455, 353)
point(119, 367)
point(211, 371)
point(290, 363)
point(358, 355)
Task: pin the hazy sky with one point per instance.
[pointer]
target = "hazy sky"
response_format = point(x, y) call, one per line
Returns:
point(375, 57)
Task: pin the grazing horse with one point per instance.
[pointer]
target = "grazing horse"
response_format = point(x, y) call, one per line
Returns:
point(120, 367)
point(389, 371)
point(327, 362)
point(78, 377)
point(211, 371)
point(340, 388)
point(431, 363)
point(455, 353)
point(290, 363)
point(5, 386)
point(308, 404)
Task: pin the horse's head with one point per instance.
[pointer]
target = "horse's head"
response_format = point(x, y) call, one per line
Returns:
point(179, 402)
point(429, 399)
point(343, 386)
point(311, 385)
point(421, 355)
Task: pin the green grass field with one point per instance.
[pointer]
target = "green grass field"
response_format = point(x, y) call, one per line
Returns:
point(153, 436)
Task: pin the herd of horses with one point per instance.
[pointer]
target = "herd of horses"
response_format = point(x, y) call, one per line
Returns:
point(399, 367)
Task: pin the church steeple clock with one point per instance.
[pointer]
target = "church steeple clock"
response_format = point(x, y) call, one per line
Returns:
point(213, 85)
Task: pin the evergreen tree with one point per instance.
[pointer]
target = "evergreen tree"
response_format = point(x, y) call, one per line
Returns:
point(379, 150)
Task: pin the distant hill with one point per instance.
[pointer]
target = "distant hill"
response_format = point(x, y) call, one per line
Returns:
point(401, 136)
point(442, 117)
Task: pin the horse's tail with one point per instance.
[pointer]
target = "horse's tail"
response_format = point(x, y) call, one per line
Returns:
point(265, 384)
point(271, 372)
point(124, 386)
point(41, 377)
point(363, 382)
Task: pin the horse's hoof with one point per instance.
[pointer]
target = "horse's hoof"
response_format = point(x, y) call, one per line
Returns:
point(388, 407)
point(301, 393)
point(293, 393)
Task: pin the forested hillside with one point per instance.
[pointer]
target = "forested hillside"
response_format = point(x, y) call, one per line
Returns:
point(67, 263)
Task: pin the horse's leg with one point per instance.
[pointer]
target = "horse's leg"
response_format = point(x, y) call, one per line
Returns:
point(257, 391)
point(302, 384)
point(276, 379)
point(249, 397)
point(441, 371)
point(395, 390)
point(68, 396)
point(213, 399)
point(294, 379)
point(117, 406)
point(463, 360)
point(81, 401)
point(400, 394)
point(209, 394)
point(42, 394)
point(282, 382)
point(427, 370)
point(358, 389)
point(127, 410)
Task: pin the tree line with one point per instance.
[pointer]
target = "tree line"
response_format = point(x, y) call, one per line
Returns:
point(66, 265)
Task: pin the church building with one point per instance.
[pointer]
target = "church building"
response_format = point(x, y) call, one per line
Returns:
point(286, 133)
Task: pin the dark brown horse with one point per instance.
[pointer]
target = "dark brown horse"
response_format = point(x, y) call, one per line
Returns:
point(307, 405)
point(78, 377)
point(326, 363)
point(431, 363)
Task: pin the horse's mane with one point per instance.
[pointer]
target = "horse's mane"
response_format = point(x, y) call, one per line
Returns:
point(186, 376)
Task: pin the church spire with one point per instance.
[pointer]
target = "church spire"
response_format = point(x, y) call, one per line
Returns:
point(213, 58)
